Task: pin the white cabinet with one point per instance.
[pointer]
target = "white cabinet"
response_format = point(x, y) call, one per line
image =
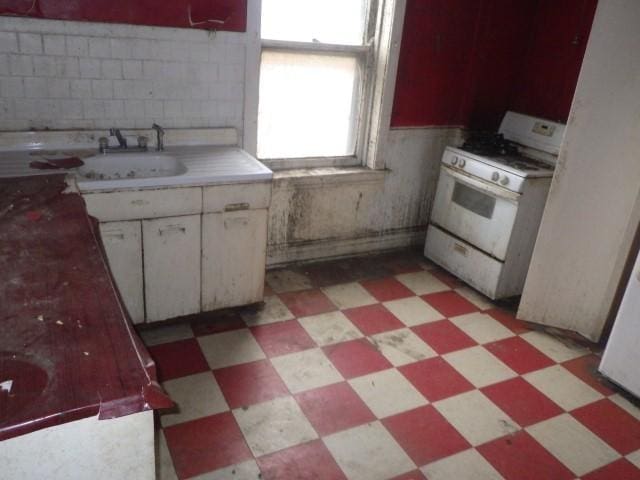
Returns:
point(233, 258)
point(123, 244)
point(172, 258)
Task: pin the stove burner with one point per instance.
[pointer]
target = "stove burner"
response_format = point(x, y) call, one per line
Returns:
point(489, 143)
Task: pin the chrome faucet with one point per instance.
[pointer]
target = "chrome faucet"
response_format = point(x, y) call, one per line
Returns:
point(159, 136)
point(122, 143)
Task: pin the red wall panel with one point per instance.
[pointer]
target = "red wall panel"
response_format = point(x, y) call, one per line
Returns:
point(173, 13)
point(468, 62)
point(547, 80)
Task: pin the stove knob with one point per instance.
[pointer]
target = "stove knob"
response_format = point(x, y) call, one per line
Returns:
point(454, 161)
point(462, 163)
point(495, 176)
point(504, 180)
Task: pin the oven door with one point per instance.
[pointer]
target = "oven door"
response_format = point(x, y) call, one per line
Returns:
point(474, 210)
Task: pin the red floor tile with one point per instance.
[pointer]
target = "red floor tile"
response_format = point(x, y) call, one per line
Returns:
point(509, 320)
point(386, 289)
point(206, 444)
point(612, 424)
point(356, 358)
point(250, 383)
point(450, 304)
point(445, 277)
point(520, 457)
point(308, 461)
point(586, 369)
point(618, 470)
point(435, 379)
point(307, 302)
point(334, 408)
point(282, 337)
point(522, 401)
point(178, 359)
point(443, 336)
point(415, 475)
point(216, 322)
point(373, 319)
point(519, 355)
point(425, 435)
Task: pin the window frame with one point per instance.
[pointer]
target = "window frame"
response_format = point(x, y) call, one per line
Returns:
point(378, 60)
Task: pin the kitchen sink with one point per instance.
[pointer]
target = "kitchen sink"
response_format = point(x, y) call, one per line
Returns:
point(122, 166)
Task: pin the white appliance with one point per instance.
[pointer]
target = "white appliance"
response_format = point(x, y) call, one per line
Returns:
point(489, 202)
point(622, 354)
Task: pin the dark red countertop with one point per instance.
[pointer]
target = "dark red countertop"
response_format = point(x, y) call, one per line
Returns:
point(67, 348)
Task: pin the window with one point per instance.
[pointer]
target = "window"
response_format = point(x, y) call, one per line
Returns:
point(313, 80)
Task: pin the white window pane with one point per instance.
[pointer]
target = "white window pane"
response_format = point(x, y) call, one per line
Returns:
point(308, 105)
point(326, 21)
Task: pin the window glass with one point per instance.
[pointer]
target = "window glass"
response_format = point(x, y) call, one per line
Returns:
point(478, 202)
point(326, 21)
point(308, 105)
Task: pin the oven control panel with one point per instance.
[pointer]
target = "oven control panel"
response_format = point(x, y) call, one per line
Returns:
point(460, 160)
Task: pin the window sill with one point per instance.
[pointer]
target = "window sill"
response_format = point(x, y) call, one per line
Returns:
point(328, 176)
point(277, 164)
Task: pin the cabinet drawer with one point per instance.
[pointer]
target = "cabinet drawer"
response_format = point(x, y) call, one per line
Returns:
point(139, 204)
point(233, 258)
point(244, 196)
point(171, 266)
point(123, 243)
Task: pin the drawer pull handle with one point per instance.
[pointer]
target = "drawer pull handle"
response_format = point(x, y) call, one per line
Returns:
point(461, 249)
point(114, 235)
point(234, 207)
point(171, 229)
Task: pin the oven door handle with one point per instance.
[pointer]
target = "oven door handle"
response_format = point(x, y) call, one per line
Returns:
point(479, 184)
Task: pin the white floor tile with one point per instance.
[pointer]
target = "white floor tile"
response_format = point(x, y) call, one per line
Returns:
point(479, 300)
point(349, 295)
point(634, 458)
point(196, 396)
point(230, 348)
point(274, 425)
point(481, 327)
point(273, 310)
point(467, 465)
point(626, 405)
point(287, 281)
point(166, 333)
point(573, 444)
point(402, 346)
point(553, 348)
point(164, 464)
point(413, 311)
point(564, 388)
point(242, 471)
point(387, 393)
point(479, 366)
point(305, 370)
point(422, 283)
point(476, 418)
point(368, 452)
point(330, 328)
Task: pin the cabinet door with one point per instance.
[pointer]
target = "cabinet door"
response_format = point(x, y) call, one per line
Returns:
point(233, 258)
point(123, 243)
point(171, 266)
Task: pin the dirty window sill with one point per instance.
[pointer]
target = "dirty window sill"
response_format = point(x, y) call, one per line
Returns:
point(328, 175)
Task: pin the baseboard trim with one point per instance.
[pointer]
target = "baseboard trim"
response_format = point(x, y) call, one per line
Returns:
point(326, 249)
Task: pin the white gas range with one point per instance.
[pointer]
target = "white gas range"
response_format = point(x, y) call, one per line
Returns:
point(489, 202)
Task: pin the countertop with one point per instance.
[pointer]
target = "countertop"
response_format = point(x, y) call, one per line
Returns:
point(204, 165)
point(67, 349)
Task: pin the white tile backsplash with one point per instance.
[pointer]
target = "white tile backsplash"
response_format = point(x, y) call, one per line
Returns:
point(62, 75)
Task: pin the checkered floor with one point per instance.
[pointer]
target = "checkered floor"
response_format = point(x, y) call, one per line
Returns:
point(384, 368)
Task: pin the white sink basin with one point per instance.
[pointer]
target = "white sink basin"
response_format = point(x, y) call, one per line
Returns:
point(122, 166)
